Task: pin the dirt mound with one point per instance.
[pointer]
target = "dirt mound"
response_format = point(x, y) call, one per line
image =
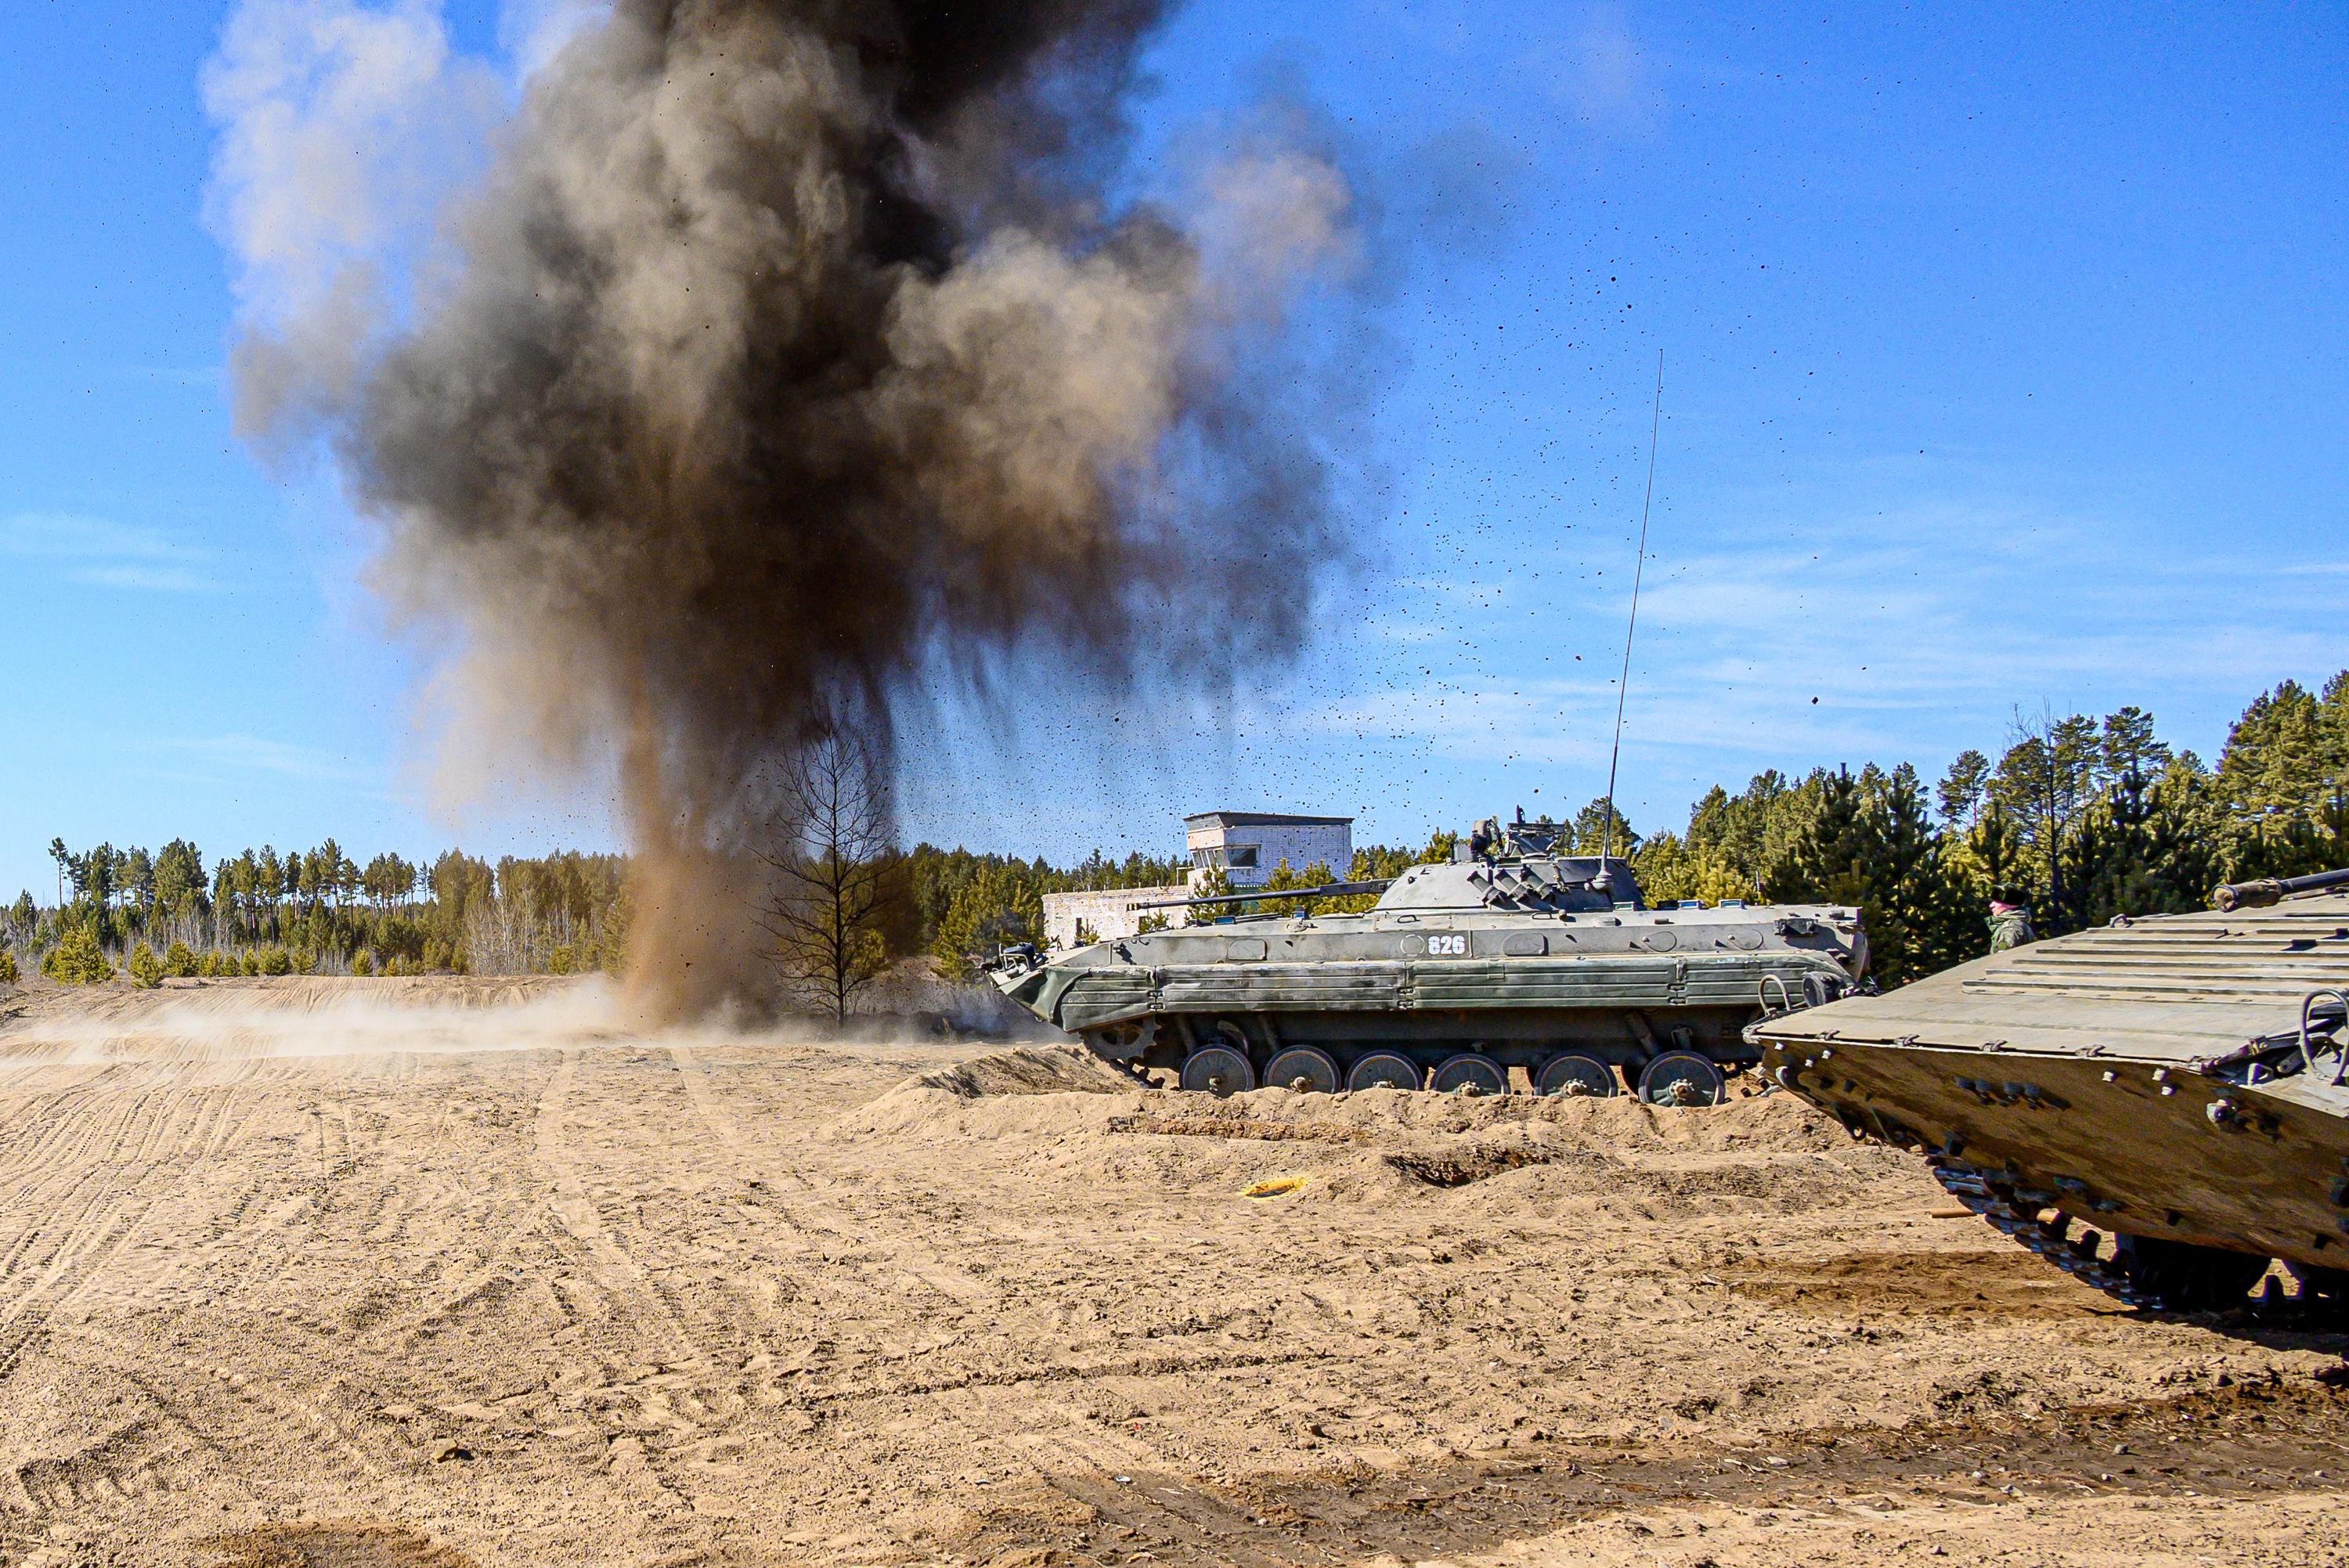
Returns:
point(1756, 1124)
point(935, 1099)
point(1536, 1160)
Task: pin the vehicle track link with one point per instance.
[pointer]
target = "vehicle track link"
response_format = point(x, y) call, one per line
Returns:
point(2075, 1254)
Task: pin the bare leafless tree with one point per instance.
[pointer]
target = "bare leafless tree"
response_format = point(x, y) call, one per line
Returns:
point(838, 877)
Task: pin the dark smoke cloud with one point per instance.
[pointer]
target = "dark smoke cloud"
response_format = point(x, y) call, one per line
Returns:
point(790, 351)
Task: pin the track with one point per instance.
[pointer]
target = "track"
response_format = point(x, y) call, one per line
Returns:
point(2077, 1255)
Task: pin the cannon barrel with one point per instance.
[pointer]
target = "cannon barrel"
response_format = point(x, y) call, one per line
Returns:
point(2258, 894)
point(1327, 889)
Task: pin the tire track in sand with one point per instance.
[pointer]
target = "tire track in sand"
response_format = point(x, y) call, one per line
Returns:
point(105, 1224)
point(617, 1276)
point(927, 1269)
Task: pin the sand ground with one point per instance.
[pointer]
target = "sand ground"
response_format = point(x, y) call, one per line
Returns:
point(446, 1272)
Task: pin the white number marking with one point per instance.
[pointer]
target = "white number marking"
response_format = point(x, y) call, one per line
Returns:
point(1447, 946)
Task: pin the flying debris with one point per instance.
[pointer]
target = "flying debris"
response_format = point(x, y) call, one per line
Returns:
point(791, 357)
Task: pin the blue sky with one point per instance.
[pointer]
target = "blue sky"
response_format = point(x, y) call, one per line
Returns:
point(2003, 351)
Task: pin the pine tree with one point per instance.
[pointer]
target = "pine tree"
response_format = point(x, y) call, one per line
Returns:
point(2128, 747)
point(1593, 829)
point(998, 906)
point(1912, 898)
point(1282, 879)
point(179, 878)
point(78, 959)
point(1668, 869)
point(1960, 793)
point(2044, 783)
point(2283, 779)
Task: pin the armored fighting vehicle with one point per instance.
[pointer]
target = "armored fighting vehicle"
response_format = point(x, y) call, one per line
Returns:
point(2158, 1107)
point(1514, 955)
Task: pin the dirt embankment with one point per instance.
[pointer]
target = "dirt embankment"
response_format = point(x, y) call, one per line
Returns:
point(303, 1272)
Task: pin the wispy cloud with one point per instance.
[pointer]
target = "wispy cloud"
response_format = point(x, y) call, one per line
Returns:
point(286, 759)
point(212, 375)
point(1894, 632)
point(1608, 78)
point(101, 554)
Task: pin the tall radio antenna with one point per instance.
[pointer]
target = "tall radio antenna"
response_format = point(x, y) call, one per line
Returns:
point(1638, 567)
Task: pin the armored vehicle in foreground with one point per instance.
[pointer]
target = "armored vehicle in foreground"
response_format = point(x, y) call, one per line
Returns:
point(1515, 955)
point(2158, 1107)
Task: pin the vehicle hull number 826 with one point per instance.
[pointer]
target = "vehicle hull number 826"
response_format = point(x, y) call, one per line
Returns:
point(1455, 945)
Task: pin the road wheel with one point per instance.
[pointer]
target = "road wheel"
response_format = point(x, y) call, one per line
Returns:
point(1680, 1078)
point(1384, 1069)
point(1217, 1070)
point(1472, 1072)
point(1305, 1068)
point(1574, 1075)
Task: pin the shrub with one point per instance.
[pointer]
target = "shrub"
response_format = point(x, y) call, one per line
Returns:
point(9, 974)
point(146, 969)
point(275, 960)
point(179, 963)
point(77, 960)
point(560, 961)
point(363, 963)
point(393, 967)
point(251, 963)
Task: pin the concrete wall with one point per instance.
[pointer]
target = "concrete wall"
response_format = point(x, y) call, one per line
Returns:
point(1108, 916)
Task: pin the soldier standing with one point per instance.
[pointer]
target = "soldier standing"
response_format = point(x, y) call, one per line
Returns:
point(2010, 920)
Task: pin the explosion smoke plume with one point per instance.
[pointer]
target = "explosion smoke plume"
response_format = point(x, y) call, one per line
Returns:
point(788, 350)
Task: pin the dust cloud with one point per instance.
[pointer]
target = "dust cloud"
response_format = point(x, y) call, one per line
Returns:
point(774, 362)
point(313, 1018)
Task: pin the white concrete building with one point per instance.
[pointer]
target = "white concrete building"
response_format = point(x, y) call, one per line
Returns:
point(1074, 919)
point(1248, 846)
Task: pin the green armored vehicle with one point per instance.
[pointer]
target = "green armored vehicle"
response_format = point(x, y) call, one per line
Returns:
point(1515, 955)
point(2158, 1107)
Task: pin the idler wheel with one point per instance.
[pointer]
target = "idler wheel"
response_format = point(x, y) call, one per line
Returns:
point(1574, 1075)
point(1384, 1069)
point(1680, 1078)
point(1305, 1068)
point(1217, 1070)
point(1470, 1072)
point(2179, 1276)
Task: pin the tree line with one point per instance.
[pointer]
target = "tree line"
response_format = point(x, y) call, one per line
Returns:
point(2078, 817)
point(165, 915)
